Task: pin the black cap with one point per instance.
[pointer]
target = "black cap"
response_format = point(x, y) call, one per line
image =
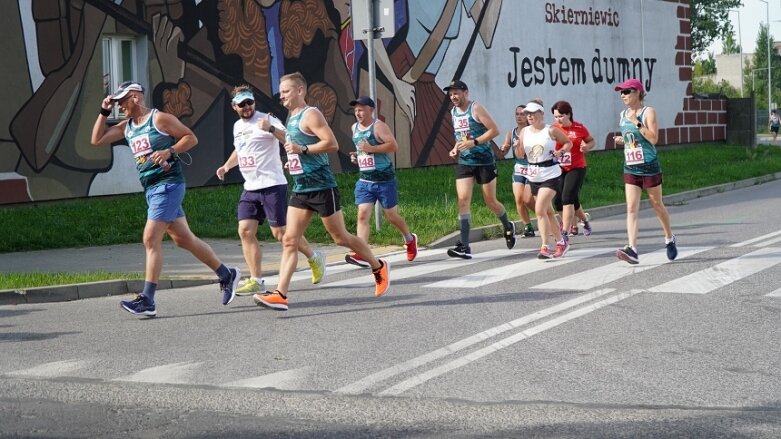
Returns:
point(363, 100)
point(456, 85)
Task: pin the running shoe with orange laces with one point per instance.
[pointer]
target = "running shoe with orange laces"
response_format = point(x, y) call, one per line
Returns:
point(381, 278)
point(412, 248)
point(274, 300)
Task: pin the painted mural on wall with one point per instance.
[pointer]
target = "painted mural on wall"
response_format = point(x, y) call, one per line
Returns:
point(193, 52)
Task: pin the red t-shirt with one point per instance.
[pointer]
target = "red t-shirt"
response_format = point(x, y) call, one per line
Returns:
point(577, 133)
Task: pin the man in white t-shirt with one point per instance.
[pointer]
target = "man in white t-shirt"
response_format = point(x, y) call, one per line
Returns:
point(256, 138)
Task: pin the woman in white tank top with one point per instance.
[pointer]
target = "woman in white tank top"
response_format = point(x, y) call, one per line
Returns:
point(537, 142)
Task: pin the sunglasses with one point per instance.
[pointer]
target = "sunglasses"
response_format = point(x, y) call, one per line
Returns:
point(246, 103)
point(627, 91)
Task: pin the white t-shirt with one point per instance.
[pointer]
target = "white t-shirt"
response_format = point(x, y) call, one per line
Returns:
point(539, 148)
point(258, 153)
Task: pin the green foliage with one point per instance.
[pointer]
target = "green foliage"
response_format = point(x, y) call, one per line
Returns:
point(705, 66)
point(729, 45)
point(757, 75)
point(709, 21)
point(706, 86)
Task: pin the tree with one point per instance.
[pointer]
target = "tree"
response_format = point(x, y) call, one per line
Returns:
point(730, 46)
point(709, 21)
point(758, 73)
point(706, 66)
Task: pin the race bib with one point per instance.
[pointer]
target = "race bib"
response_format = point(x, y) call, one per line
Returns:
point(294, 165)
point(521, 170)
point(365, 161)
point(140, 146)
point(247, 161)
point(461, 126)
point(634, 156)
point(532, 171)
point(566, 159)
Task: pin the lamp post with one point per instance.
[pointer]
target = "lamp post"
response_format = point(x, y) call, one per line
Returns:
point(740, 44)
point(767, 21)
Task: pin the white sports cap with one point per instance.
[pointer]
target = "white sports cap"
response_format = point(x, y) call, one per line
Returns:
point(125, 88)
point(533, 107)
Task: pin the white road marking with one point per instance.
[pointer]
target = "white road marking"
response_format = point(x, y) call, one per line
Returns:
point(53, 369)
point(415, 270)
point(283, 380)
point(757, 239)
point(369, 381)
point(768, 242)
point(599, 276)
point(501, 344)
point(776, 293)
point(174, 373)
point(504, 272)
point(709, 279)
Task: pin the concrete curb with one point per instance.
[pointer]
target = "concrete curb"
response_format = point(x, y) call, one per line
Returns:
point(63, 293)
point(496, 231)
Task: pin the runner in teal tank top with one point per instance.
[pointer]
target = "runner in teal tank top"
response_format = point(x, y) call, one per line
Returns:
point(374, 143)
point(524, 202)
point(642, 172)
point(308, 141)
point(474, 130)
point(310, 172)
point(156, 140)
point(146, 138)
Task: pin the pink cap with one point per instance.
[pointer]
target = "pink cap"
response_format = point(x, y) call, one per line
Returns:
point(631, 83)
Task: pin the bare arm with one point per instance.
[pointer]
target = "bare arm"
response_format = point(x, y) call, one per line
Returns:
point(315, 123)
point(650, 129)
point(519, 151)
point(169, 124)
point(232, 161)
point(101, 133)
point(562, 139)
point(383, 134)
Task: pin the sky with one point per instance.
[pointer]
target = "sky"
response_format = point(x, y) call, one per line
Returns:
point(752, 14)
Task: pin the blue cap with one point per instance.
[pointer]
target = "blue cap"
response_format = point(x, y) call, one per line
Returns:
point(243, 96)
point(363, 100)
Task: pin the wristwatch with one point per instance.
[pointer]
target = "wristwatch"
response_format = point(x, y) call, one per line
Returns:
point(639, 124)
point(304, 149)
point(271, 129)
point(172, 152)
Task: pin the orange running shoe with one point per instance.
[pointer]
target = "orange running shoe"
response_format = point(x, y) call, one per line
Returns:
point(274, 300)
point(412, 248)
point(381, 278)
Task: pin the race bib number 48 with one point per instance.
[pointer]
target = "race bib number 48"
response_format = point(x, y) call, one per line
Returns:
point(365, 161)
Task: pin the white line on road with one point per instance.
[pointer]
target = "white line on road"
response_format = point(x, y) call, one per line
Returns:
point(504, 272)
point(501, 344)
point(768, 242)
point(757, 239)
point(282, 380)
point(415, 270)
point(174, 373)
point(709, 279)
point(599, 276)
point(53, 369)
point(776, 293)
point(364, 383)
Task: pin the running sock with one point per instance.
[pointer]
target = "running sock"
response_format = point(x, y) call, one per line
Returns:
point(504, 220)
point(408, 237)
point(667, 241)
point(465, 224)
point(223, 273)
point(149, 291)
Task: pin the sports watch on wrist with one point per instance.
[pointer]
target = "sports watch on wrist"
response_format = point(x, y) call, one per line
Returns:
point(304, 149)
point(639, 124)
point(271, 129)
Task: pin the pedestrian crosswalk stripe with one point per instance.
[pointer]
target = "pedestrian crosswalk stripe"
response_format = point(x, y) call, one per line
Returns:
point(422, 268)
point(525, 266)
point(751, 241)
point(776, 293)
point(709, 279)
point(174, 373)
point(53, 369)
point(768, 242)
point(283, 380)
point(595, 277)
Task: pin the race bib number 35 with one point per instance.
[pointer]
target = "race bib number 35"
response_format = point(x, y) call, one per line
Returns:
point(461, 126)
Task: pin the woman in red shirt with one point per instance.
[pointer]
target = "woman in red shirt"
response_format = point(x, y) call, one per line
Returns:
point(573, 167)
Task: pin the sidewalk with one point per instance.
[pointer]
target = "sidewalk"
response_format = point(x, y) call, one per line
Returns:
point(182, 270)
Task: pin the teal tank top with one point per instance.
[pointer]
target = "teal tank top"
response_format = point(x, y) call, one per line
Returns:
point(315, 171)
point(639, 154)
point(514, 138)
point(467, 128)
point(145, 139)
point(373, 166)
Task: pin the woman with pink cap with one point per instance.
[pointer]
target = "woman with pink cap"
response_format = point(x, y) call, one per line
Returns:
point(642, 171)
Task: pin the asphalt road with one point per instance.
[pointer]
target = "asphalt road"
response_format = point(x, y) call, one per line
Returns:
point(503, 345)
